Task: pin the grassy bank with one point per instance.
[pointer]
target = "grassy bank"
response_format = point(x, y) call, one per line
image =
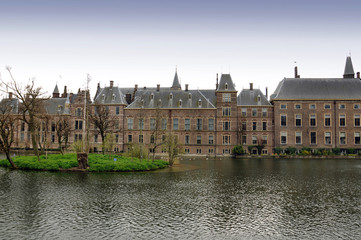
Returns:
point(97, 163)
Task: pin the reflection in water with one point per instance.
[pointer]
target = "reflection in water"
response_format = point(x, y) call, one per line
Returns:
point(198, 199)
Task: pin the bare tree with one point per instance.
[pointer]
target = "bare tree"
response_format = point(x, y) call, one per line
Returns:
point(63, 129)
point(32, 102)
point(157, 132)
point(7, 128)
point(103, 121)
point(173, 147)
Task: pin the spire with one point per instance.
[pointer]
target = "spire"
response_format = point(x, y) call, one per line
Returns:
point(349, 73)
point(56, 92)
point(176, 85)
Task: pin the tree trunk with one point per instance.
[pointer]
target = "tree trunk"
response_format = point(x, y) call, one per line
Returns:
point(82, 160)
point(10, 160)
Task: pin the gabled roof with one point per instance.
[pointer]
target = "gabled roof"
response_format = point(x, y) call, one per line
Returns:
point(168, 98)
point(226, 83)
point(317, 89)
point(57, 106)
point(249, 97)
point(110, 95)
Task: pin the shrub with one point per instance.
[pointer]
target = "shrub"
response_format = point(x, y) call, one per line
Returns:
point(238, 150)
point(278, 150)
point(336, 151)
point(351, 151)
point(290, 150)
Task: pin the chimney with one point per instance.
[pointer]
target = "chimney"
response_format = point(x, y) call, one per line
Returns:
point(217, 82)
point(296, 72)
point(64, 93)
point(10, 95)
point(358, 75)
point(158, 87)
point(111, 83)
point(251, 86)
point(186, 87)
point(267, 93)
point(135, 87)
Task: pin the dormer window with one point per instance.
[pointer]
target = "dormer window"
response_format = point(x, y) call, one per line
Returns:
point(259, 99)
point(113, 97)
point(160, 102)
point(199, 103)
point(180, 102)
point(103, 97)
point(171, 96)
point(60, 108)
point(142, 103)
point(152, 96)
point(189, 95)
point(226, 86)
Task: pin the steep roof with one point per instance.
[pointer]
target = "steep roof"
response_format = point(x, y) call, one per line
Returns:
point(349, 68)
point(168, 98)
point(249, 97)
point(56, 89)
point(57, 106)
point(317, 89)
point(226, 83)
point(176, 85)
point(110, 95)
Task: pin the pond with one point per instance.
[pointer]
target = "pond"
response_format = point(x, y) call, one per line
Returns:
point(198, 199)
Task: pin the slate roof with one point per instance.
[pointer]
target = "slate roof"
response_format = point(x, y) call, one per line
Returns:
point(13, 103)
point(176, 85)
point(249, 97)
point(56, 89)
point(108, 92)
point(167, 98)
point(226, 80)
point(318, 89)
point(57, 106)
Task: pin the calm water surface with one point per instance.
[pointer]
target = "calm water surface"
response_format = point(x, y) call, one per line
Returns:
point(201, 199)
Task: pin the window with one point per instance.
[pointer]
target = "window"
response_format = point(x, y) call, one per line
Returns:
point(199, 151)
point(130, 123)
point(199, 139)
point(164, 124)
point(244, 139)
point(298, 137)
point(283, 106)
point(357, 138)
point(186, 150)
point(152, 139)
point(283, 120)
point(211, 124)
point(171, 96)
point(327, 138)
point(141, 124)
point(226, 140)
point(175, 124)
point(342, 106)
point(342, 138)
point(244, 112)
point(356, 106)
point(312, 106)
point(264, 112)
point(152, 124)
point(117, 110)
point(312, 120)
point(180, 102)
point(298, 120)
point(313, 137)
point(199, 124)
point(254, 126)
point(244, 126)
point(254, 140)
point(210, 139)
point(186, 139)
point(327, 120)
point(342, 120)
point(283, 137)
point(78, 111)
point(264, 126)
point(141, 138)
point(130, 138)
point(297, 106)
point(53, 126)
point(357, 120)
point(78, 124)
point(187, 124)
point(254, 112)
point(52, 137)
point(226, 111)
point(226, 97)
point(327, 106)
point(264, 140)
point(113, 97)
point(226, 86)
point(95, 138)
point(226, 126)
point(210, 151)
point(116, 138)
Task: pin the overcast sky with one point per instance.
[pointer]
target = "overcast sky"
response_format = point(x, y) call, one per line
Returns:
point(142, 41)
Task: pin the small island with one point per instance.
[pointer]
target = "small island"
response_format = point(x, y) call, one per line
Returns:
point(97, 163)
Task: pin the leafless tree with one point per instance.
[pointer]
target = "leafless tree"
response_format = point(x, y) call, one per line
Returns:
point(63, 129)
point(157, 132)
point(32, 101)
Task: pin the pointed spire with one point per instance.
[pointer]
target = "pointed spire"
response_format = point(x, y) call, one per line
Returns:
point(349, 72)
point(176, 85)
point(56, 92)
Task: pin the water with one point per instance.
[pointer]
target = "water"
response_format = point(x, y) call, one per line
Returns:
point(201, 199)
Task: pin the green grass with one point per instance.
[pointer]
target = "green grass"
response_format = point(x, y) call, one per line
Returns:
point(97, 163)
